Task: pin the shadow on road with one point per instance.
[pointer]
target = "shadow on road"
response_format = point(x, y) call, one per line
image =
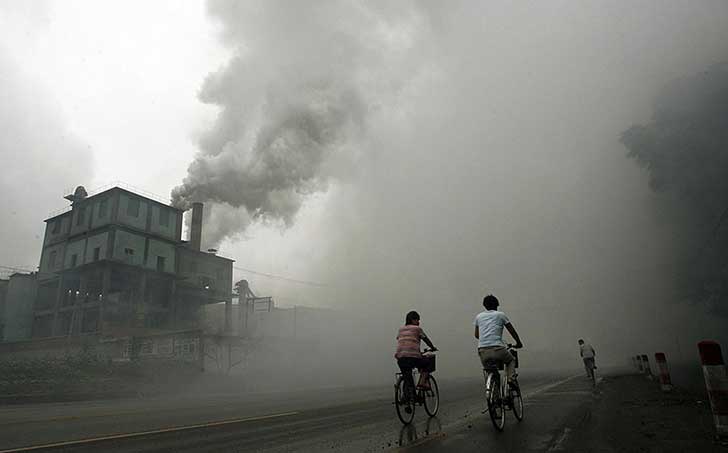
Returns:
point(410, 435)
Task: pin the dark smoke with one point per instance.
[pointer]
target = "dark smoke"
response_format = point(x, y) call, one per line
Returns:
point(685, 152)
point(294, 101)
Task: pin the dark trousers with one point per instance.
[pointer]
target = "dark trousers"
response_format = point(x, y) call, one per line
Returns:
point(407, 364)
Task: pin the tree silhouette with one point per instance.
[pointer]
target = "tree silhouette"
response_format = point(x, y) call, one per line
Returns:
point(685, 152)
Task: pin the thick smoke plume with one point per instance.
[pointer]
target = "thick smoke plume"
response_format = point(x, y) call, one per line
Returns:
point(685, 151)
point(294, 101)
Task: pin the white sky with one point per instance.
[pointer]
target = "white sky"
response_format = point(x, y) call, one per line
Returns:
point(125, 77)
point(125, 81)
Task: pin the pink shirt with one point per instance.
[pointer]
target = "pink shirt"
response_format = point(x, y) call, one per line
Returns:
point(408, 341)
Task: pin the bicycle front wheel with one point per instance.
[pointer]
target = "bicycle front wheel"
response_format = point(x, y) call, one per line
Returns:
point(404, 402)
point(495, 402)
point(432, 397)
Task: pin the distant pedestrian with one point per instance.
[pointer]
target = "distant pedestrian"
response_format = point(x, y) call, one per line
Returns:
point(588, 355)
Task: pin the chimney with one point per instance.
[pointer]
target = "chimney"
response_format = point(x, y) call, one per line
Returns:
point(196, 227)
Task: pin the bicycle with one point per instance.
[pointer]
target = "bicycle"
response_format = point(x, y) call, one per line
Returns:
point(406, 398)
point(498, 397)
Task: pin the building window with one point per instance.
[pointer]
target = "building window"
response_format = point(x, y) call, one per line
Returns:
point(129, 252)
point(52, 260)
point(81, 216)
point(164, 217)
point(132, 209)
point(103, 208)
point(56, 226)
point(97, 253)
point(74, 259)
point(160, 263)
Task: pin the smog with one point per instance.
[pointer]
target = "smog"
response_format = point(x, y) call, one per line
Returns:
point(359, 160)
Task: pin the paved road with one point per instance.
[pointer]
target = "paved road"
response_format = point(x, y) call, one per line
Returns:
point(331, 420)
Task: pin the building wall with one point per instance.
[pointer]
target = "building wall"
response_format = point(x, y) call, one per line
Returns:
point(201, 269)
point(19, 307)
point(163, 249)
point(164, 222)
point(3, 293)
point(51, 262)
point(129, 215)
point(74, 248)
point(124, 240)
point(57, 229)
point(81, 217)
point(102, 210)
point(99, 241)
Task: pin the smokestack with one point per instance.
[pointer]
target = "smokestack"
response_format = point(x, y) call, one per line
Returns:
point(196, 226)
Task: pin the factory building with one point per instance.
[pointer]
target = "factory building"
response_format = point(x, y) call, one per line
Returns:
point(114, 263)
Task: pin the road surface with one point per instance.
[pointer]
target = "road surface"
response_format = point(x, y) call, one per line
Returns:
point(323, 420)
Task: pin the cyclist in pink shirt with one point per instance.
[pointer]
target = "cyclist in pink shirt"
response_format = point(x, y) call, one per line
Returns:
point(408, 353)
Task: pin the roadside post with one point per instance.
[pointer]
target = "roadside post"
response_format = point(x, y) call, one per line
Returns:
point(646, 363)
point(716, 381)
point(665, 382)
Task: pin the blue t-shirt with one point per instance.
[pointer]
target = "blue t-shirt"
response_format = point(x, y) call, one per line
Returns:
point(490, 325)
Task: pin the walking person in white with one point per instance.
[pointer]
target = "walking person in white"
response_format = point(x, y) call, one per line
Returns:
point(489, 332)
point(588, 355)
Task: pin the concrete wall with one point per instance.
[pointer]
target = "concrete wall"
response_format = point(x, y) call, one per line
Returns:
point(18, 317)
point(184, 346)
point(74, 248)
point(102, 209)
point(125, 240)
point(63, 230)
point(57, 265)
point(163, 249)
point(99, 241)
point(3, 293)
point(81, 217)
point(168, 230)
point(199, 267)
point(126, 215)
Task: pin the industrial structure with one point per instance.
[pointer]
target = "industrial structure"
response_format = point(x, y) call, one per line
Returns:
point(115, 264)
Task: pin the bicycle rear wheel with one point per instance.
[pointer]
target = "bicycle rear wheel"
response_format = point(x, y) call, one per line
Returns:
point(516, 401)
point(405, 404)
point(495, 402)
point(432, 397)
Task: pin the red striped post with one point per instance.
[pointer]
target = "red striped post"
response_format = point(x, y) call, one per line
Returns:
point(665, 382)
point(646, 363)
point(716, 382)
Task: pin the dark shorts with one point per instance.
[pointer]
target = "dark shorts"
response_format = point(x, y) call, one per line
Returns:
point(407, 364)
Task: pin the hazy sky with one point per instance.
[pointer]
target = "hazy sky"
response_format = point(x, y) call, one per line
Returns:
point(486, 157)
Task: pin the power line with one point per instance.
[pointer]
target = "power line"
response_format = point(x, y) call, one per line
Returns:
point(280, 277)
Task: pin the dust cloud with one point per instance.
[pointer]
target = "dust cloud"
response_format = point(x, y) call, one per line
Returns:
point(464, 148)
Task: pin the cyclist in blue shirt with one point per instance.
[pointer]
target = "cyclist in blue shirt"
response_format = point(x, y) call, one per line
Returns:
point(489, 326)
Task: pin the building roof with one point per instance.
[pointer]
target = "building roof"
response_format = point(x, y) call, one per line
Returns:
point(104, 191)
